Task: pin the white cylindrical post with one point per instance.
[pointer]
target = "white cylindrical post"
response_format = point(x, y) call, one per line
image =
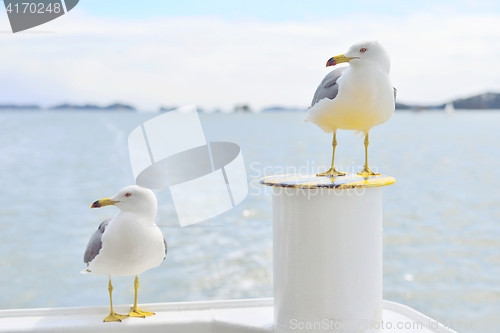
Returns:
point(327, 253)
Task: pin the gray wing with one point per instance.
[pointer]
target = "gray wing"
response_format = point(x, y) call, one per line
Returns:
point(95, 244)
point(165, 242)
point(328, 88)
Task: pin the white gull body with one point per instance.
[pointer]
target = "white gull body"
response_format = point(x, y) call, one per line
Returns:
point(131, 241)
point(357, 97)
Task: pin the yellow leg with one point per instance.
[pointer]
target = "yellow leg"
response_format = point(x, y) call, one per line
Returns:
point(367, 172)
point(332, 172)
point(135, 311)
point(113, 316)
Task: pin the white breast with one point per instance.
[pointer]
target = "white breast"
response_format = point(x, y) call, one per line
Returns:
point(365, 99)
point(130, 246)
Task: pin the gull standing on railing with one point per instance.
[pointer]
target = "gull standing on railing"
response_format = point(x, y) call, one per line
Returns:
point(128, 244)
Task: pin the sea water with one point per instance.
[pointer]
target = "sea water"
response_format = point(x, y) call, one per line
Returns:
point(441, 218)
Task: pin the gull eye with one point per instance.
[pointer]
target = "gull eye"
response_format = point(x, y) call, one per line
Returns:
point(363, 49)
point(127, 195)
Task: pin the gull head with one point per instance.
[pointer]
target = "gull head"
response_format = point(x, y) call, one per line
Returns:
point(132, 198)
point(364, 54)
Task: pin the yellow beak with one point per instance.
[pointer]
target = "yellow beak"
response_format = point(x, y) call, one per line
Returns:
point(337, 60)
point(103, 202)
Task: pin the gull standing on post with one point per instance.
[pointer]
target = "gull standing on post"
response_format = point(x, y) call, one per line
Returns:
point(357, 97)
point(128, 244)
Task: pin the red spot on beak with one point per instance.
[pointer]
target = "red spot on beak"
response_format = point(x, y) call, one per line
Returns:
point(331, 62)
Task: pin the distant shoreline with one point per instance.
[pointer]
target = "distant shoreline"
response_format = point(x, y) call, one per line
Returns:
point(304, 111)
point(487, 101)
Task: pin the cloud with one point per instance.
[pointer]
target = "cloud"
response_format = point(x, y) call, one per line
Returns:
point(213, 62)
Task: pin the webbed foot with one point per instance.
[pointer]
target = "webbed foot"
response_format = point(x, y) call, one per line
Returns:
point(138, 313)
point(331, 173)
point(115, 317)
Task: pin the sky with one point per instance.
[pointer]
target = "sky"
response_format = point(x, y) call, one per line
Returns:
point(220, 53)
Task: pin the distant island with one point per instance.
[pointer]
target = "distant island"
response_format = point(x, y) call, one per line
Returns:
point(19, 107)
point(28, 107)
point(116, 106)
point(282, 108)
point(486, 101)
point(167, 108)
